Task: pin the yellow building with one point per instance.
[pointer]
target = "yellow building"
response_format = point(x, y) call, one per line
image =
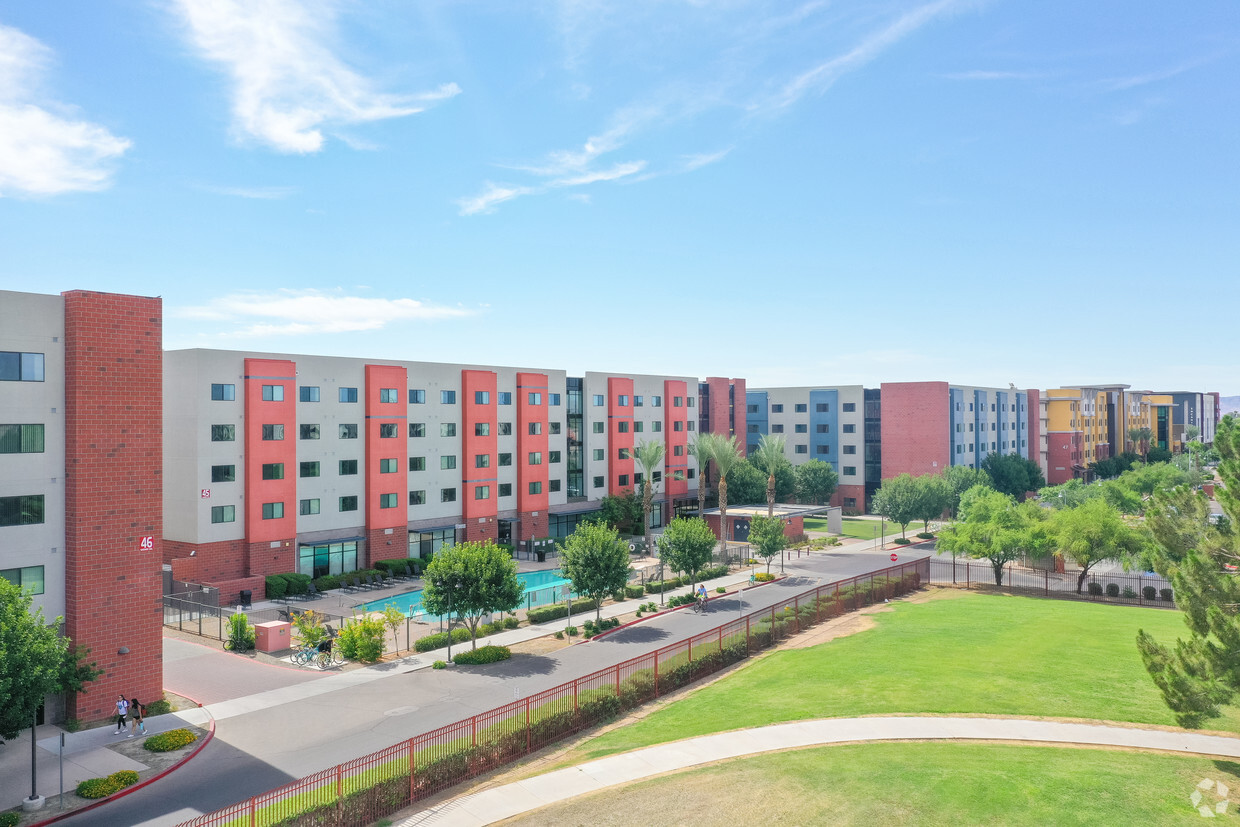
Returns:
point(1077, 431)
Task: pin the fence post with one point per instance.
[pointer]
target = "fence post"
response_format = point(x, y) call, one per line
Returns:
point(575, 694)
point(473, 730)
point(796, 612)
point(1046, 583)
point(968, 571)
point(413, 771)
point(617, 680)
point(747, 644)
point(339, 788)
point(253, 812)
point(720, 638)
point(656, 673)
point(528, 734)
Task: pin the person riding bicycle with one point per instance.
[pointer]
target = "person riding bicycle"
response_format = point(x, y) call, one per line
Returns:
point(701, 596)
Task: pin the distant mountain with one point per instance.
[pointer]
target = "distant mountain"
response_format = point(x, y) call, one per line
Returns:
point(1229, 404)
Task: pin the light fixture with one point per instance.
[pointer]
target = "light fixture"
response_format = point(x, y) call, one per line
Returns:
point(124, 650)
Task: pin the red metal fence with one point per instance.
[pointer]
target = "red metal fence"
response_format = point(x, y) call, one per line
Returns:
point(374, 786)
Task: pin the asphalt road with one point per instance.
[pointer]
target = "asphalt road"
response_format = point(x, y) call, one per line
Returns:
point(260, 750)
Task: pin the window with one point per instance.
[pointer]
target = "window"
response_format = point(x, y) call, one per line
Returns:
point(417, 396)
point(656, 402)
point(447, 495)
point(622, 427)
point(849, 407)
point(448, 398)
point(597, 427)
point(219, 393)
point(348, 503)
point(554, 427)
point(307, 507)
point(823, 428)
point(657, 476)
point(482, 492)
point(751, 447)
point(505, 460)
point(417, 463)
point(678, 401)
point(273, 511)
point(505, 429)
point(692, 473)
point(21, 439)
point(272, 433)
point(505, 489)
point(824, 449)
point(553, 456)
point(850, 449)
point(622, 453)
point(482, 397)
point(348, 467)
point(800, 407)
point(387, 500)
point(751, 409)
point(535, 457)
point(598, 482)
point(678, 450)
point(447, 429)
point(623, 480)
point(348, 431)
point(850, 429)
point(223, 513)
point(599, 455)
point(801, 449)
point(657, 427)
point(388, 465)
point(273, 470)
point(850, 470)
point(535, 428)
point(689, 402)
point(689, 425)
point(387, 430)
point(850, 502)
point(482, 429)
point(482, 460)
point(535, 398)
point(417, 429)
point(223, 433)
point(823, 407)
point(309, 469)
point(223, 473)
point(447, 462)
point(622, 399)
point(553, 485)
point(678, 475)
point(389, 395)
point(273, 393)
point(535, 487)
point(553, 399)
point(801, 429)
point(638, 402)
point(504, 398)
point(638, 427)
point(598, 400)
point(308, 431)
point(348, 394)
point(678, 425)
point(417, 497)
point(777, 429)
point(777, 409)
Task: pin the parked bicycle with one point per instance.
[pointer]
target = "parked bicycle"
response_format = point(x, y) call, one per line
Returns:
point(305, 654)
point(326, 655)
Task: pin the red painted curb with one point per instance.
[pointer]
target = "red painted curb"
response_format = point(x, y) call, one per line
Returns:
point(122, 793)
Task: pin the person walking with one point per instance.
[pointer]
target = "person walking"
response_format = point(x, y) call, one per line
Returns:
point(122, 708)
point(136, 714)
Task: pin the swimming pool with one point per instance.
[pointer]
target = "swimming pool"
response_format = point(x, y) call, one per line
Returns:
point(541, 588)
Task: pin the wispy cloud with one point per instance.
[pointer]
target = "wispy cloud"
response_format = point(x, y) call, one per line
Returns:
point(824, 75)
point(692, 162)
point(496, 194)
point(1133, 81)
point(287, 84)
point(983, 74)
point(299, 312)
point(264, 193)
point(42, 152)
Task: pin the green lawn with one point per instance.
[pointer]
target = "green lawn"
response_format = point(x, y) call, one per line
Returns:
point(960, 653)
point(861, 529)
point(913, 783)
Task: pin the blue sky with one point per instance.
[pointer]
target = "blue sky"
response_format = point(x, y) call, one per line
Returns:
point(823, 192)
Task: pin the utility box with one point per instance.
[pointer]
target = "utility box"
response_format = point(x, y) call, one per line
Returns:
point(274, 636)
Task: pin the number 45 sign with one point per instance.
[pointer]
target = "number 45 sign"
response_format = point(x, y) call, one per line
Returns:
point(147, 543)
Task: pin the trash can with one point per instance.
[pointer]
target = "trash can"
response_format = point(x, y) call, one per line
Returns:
point(541, 556)
point(246, 597)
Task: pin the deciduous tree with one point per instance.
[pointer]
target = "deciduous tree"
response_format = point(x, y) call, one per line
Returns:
point(469, 580)
point(960, 478)
point(815, 481)
point(1013, 474)
point(899, 500)
point(991, 527)
point(766, 535)
point(686, 545)
point(1094, 531)
point(596, 560)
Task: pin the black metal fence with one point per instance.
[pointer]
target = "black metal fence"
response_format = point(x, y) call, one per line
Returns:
point(193, 617)
point(1132, 588)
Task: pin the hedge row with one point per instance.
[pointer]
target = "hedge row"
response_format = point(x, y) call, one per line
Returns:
point(544, 613)
point(396, 568)
point(102, 787)
point(170, 740)
point(485, 654)
point(439, 640)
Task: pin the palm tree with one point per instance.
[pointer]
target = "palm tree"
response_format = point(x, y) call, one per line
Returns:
point(701, 449)
point(726, 456)
point(1141, 438)
point(648, 455)
point(769, 454)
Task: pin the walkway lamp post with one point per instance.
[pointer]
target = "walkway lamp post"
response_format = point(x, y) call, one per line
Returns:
point(449, 592)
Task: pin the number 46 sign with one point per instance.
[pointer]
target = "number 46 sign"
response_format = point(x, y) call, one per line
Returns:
point(147, 543)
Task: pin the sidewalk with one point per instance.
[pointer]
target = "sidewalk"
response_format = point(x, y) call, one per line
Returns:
point(490, 806)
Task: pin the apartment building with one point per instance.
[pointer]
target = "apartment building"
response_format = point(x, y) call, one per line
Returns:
point(80, 479)
point(323, 465)
point(1088, 423)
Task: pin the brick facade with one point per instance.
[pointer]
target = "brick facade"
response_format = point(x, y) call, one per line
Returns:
point(113, 494)
point(916, 428)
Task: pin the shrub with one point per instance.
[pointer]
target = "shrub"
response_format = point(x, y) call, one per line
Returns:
point(763, 577)
point(483, 654)
point(170, 740)
point(100, 787)
point(160, 707)
point(70, 725)
point(327, 581)
point(309, 626)
point(439, 640)
point(439, 664)
point(680, 600)
point(544, 613)
point(617, 597)
point(1149, 592)
point(639, 612)
point(632, 592)
point(240, 632)
point(924, 535)
point(559, 635)
point(1166, 594)
point(511, 622)
point(571, 630)
point(297, 583)
point(721, 590)
point(9, 819)
point(362, 639)
point(276, 587)
point(901, 541)
point(1112, 590)
point(1129, 593)
point(1095, 589)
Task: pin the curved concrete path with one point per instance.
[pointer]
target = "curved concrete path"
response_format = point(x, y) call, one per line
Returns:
point(492, 805)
